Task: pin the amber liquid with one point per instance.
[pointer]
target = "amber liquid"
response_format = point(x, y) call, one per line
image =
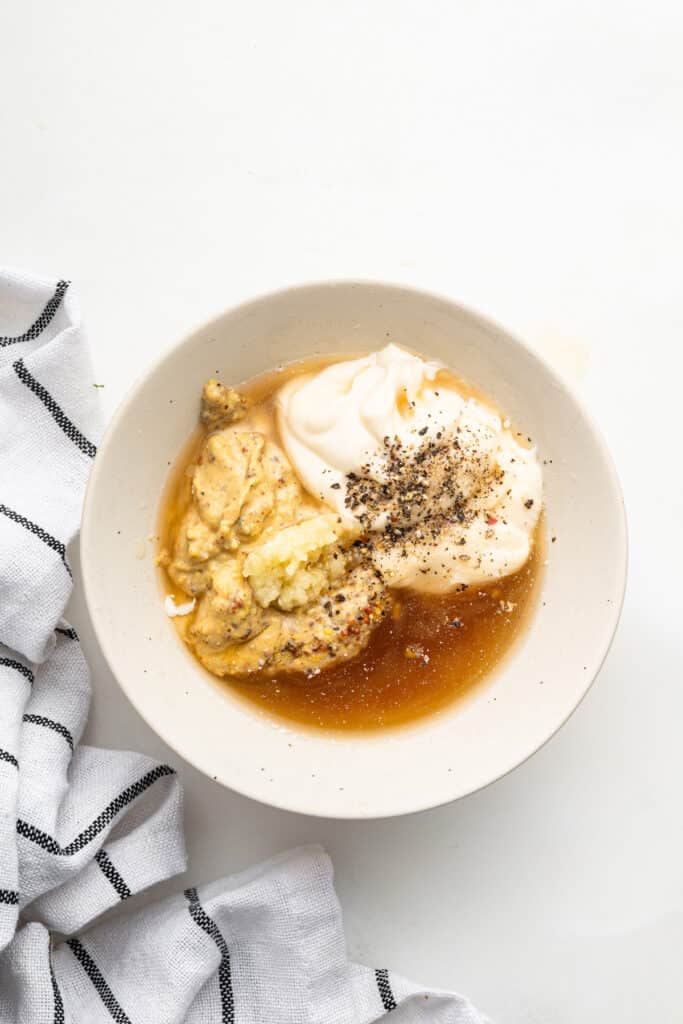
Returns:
point(429, 652)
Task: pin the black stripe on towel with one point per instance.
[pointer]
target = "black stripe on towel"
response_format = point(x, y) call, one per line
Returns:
point(10, 758)
point(10, 897)
point(49, 723)
point(17, 665)
point(45, 841)
point(99, 984)
point(203, 921)
point(57, 413)
point(43, 320)
point(112, 875)
point(384, 987)
point(38, 531)
point(70, 632)
point(58, 1017)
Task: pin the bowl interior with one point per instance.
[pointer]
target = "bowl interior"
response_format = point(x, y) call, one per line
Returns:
point(436, 760)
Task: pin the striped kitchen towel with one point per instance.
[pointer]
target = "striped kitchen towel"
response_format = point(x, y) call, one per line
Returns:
point(82, 829)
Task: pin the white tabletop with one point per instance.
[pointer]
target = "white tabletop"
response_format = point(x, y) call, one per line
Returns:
point(524, 158)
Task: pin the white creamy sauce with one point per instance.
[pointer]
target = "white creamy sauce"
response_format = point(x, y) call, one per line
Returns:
point(335, 422)
point(172, 609)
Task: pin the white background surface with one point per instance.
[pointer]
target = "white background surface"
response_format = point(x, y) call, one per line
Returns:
point(526, 158)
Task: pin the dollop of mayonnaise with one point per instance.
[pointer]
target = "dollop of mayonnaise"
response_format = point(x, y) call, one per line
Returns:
point(173, 609)
point(478, 491)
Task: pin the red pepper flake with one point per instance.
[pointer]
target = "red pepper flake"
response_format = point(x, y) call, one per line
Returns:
point(491, 520)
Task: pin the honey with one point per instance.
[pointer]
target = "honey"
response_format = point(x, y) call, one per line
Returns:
point(430, 651)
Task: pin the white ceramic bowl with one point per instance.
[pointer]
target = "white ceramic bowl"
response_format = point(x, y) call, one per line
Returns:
point(382, 773)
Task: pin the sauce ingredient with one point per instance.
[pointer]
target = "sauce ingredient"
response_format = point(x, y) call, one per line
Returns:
point(277, 585)
point(446, 493)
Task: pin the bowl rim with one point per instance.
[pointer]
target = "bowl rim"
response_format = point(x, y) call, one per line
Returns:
point(489, 324)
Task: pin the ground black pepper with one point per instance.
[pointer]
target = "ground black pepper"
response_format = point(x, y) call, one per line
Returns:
point(416, 492)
